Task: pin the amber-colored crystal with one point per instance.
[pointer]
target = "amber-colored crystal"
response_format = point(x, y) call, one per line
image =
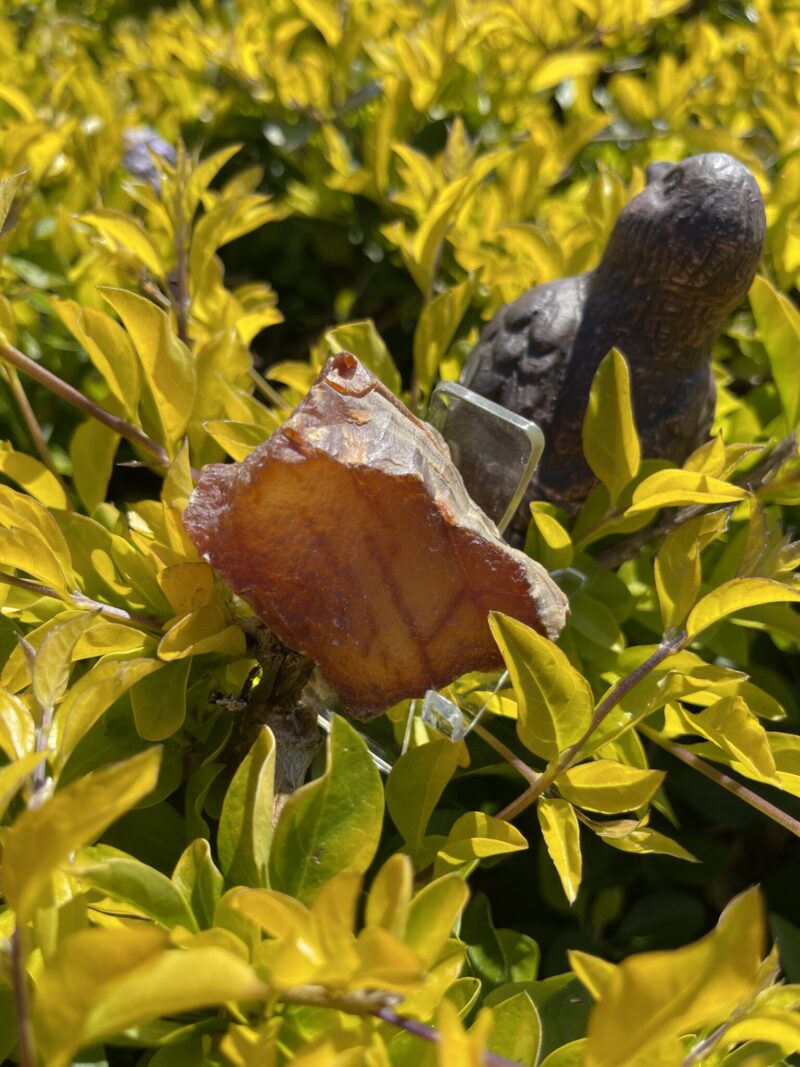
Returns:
point(351, 535)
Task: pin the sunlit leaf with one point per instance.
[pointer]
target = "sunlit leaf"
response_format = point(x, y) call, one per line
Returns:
point(655, 996)
point(607, 786)
point(415, 786)
point(555, 702)
point(245, 828)
point(610, 441)
point(561, 836)
point(42, 838)
point(332, 824)
point(737, 595)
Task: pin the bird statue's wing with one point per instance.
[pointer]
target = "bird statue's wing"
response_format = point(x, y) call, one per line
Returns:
point(522, 357)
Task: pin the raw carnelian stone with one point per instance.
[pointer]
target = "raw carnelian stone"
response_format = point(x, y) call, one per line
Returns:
point(351, 535)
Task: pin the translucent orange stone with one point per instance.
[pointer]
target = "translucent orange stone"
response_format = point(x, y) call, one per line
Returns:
point(351, 535)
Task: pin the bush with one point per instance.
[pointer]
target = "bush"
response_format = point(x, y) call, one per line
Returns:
point(383, 178)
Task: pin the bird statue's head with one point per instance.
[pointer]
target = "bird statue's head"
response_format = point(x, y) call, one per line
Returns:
point(696, 230)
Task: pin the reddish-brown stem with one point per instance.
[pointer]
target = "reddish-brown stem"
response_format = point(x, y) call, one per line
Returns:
point(31, 423)
point(509, 756)
point(57, 385)
point(723, 780)
point(427, 1033)
point(667, 647)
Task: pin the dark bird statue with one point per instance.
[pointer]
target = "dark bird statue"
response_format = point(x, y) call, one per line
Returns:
point(681, 256)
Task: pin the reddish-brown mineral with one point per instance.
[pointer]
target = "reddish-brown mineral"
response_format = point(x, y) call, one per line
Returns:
point(351, 535)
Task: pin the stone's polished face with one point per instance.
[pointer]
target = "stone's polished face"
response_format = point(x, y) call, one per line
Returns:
point(681, 256)
point(351, 535)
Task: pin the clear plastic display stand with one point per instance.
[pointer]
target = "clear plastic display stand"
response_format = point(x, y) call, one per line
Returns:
point(495, 450)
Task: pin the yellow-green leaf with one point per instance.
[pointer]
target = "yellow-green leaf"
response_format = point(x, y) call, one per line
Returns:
point(436, 327)
point(678, 488)
point(159, 699)
point(207, 629)
point(432, 915)
point(548, 541)
point(476, 835)
point(737, 595)
point(555, 701)
point(41, 839)
point(53, 661)
point(332, 824)
point(90, 697)
point(32, 476)
point(608, 786)
point(778, 322)
point(92, 450)
point(414, 786)
point(9, 186)
point(731, 725)
point(26, 551)
point(656, 996)
point(592, 971)
point(12, 777)
point(562, 837)
point(390, 895)
point(108, 347)
point(122, 231)
point(245, 827)
point(167, 363)
point(678, 572)
point(610, 441)
point(120, 978)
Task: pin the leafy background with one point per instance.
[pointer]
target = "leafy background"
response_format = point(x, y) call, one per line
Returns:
point(381, 178)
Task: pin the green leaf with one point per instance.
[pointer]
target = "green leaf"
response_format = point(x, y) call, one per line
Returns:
point(608, 786)
point(555, 701)
point(159, 700)
point(53, 662)
point(364, 341)
point(120, 978)
point(332, 824)
point(238, 439)
point(90, 697)
point(147, 890)
point(737, 595)
point(517, 1030)
point(656, 996)
point(166, 362)
point(41, 839)
point(778, 322)
point(570, 1055)
point(561, 836)
point(414, 787)
point(245, 826)
point(436, 327)
point(678, 488)
point(610, 441)
point(199, 881)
